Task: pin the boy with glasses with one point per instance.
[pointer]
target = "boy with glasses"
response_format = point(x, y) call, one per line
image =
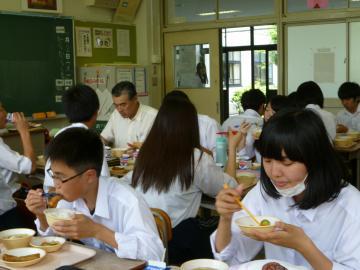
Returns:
point(113, 216)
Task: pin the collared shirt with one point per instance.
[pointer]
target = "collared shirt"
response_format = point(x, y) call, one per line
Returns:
point(121, 209)
point(183, 204)
point(333, 227)
point(234, 122)
point(348, 119)
point(49, 182)
point(327, 117)
point(11, 163)
point(122, 131)
point(208, 127)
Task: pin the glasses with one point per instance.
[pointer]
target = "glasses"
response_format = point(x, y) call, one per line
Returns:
point(62, 180)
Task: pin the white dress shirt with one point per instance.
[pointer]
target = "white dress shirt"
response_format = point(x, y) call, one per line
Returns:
point(121, 209)
point(348, 119)
point(208, 127)
point(183, 204)
point(122, 131)
point(11, 163)
point(333, 227)
point(234, 122)
point(48, 181)
point(327, 117)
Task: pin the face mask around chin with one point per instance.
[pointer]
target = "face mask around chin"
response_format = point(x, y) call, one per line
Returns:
point(293, 191)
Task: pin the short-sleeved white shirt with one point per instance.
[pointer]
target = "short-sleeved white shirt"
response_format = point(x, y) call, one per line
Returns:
point(121, 131)
point(208, 127)
point(327, 117)
point(348, 119)
point(11, 163)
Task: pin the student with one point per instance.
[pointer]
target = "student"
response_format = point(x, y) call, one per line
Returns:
point(173, 172)
point(307, 191)
point(310, 96)
point(81, 105)
point(275, 104)
point(113, 216)
point(11, 164)
point(253, 102)
point(131, 121)
point(349, 118)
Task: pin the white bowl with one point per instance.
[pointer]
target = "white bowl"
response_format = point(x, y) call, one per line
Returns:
point(118, 152)
point(56, 214)
point(41, 242)
point(204, 264)
point(246, 178)
point(16, 238)
point(23, 252)
point(248, 225)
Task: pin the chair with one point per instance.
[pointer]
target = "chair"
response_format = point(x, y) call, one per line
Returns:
point(163, 224)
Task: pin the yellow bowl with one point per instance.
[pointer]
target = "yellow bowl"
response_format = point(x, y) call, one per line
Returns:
point(16, 238)
point(343, 141)
point(248, 225)
point(118, 152)
point(246, 178)
point(57, 214)
point(257, 132)
point(41, 242)
point(355, 135)
point(23, 252)
point(204, 264)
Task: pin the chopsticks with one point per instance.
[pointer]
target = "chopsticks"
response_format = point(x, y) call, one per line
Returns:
point(226, 132)
point(226, 186)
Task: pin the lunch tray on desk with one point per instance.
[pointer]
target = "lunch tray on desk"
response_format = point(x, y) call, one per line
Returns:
point(69, 254)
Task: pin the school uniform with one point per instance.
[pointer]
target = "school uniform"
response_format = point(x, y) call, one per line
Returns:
point(234, 122)
point(48, 181)
point(333, 227)
point(121, 209)
point(11, 164)
point(348, 119)
point(121, 131)
point(327, 117)
point(208, 127)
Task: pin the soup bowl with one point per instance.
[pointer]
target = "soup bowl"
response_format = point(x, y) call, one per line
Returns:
point(204, 264)
point(248, 225)
point(16, 238)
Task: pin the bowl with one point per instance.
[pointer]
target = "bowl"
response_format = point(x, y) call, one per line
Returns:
point(246, 178)
point(118, 152)
point(355, 135)
point(204, 264)
point(248, 225)
point(57, 214)
point(23, 252)
point(343, 141)
point(48, 243)
point(16, 238)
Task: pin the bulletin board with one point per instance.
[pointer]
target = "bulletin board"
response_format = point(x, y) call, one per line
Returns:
point(110, 43)
point(317, 53)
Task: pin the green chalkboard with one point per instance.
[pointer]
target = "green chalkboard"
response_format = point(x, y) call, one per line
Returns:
point(36, 62)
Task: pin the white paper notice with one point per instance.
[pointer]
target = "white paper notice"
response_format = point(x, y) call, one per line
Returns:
point(83, 41)
point(125, 74)
point(140, 80)
point(123, 42)
point(324, 67)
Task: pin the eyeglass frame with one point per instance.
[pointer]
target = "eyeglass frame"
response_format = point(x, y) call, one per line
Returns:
point(51, 174)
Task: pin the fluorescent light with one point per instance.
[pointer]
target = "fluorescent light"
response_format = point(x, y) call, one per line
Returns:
point(220, 12)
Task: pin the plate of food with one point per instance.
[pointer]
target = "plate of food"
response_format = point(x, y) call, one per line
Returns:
point(267, 265)
point(48, 243)
point(119, 170)
point(21, 257)
point(16, 238)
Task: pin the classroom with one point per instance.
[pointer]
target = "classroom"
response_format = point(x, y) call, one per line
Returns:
point(180, 134)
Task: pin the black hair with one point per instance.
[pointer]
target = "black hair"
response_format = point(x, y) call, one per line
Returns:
point(292, 100)
point(173, 137)
point(124, 87)
point(252, 99)
point(349, 90)
point(176, 94)
point(301, 134)
point(80, 103)
point(78, 148)
point(309, 93)
point(279, 102)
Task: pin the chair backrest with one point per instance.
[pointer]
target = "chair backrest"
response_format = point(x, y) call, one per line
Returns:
point(163, 224)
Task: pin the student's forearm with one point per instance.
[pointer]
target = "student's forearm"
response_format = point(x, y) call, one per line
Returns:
point(106, 235)
point(223, 234)
point(28, 148)
point(104, 140)
point(231, 164)
point(315, 257)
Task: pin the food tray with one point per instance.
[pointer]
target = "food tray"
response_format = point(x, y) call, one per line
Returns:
point(69, 254)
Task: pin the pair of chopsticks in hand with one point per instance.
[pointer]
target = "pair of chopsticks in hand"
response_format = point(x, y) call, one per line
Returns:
point(226, 186)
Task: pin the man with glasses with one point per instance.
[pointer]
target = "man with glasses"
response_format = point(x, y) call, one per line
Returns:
point(113, 216)
point(131, 121)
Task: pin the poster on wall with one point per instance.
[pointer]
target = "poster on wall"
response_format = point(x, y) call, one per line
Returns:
point(48, 6)
point(83, 41)
point(103, 38)
point(123, 42)
point(317, 4)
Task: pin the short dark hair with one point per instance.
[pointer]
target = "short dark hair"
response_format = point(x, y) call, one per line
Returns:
point(252, 99)
point(176, 94)
point(78, 148)
point(292, 100)
point(301, 134)
point(80, 103)
point(349, 90)
point(124, 87)
point(309, 93)
point(279, 102)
